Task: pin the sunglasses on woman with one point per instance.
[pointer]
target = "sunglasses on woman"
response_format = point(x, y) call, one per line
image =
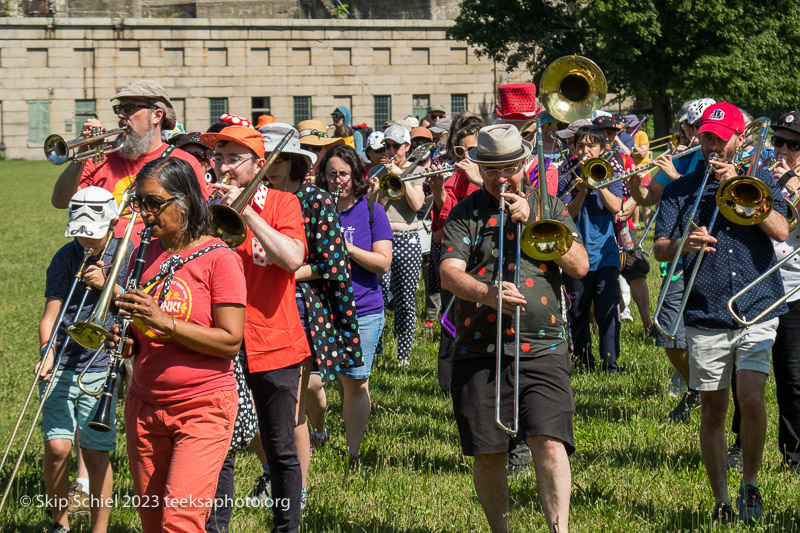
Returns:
point(149, 204)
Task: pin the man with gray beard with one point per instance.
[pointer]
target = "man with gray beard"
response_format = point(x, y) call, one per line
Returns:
point(144, 109)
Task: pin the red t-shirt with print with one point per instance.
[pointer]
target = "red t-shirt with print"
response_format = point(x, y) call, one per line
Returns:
point(273, 334)
point(114, 174)
point(164, 370)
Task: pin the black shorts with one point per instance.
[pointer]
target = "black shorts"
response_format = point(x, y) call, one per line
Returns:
point(636, 265)
point(546, 406)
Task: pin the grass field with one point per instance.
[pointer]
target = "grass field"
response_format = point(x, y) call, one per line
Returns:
point(633, 470)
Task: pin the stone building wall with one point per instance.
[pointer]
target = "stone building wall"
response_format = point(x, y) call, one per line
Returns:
point(50, 69)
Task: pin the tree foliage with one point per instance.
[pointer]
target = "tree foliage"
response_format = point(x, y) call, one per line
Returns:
point(661, 52)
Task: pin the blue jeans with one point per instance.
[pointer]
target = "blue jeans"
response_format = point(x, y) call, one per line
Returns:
point(370, 327)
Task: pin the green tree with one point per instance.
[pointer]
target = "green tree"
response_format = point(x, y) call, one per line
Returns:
point(661, 52)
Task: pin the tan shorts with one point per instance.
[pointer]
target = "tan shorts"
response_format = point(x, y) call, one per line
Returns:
point(713, 354)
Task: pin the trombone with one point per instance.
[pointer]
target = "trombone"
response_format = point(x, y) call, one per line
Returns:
point(227, 222)
point(57, 149)
point(571, 87)
point(391, 185)
point(608, 180)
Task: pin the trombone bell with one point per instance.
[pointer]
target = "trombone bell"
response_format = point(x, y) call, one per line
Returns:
point(744, 200)
point(391, 186)
point(545, 240)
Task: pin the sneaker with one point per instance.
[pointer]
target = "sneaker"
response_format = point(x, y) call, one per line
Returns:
point(749, 503)
point(58, 528)
point(403, 362)
point(302, 499)
point(78, 500)
point(682, 412)
point(428, 328)
point(693, 399)
point(677, 386)
point(723, 514)
point(735, 460)
point(625, 316)
point(519, 460)
point(318, 440)
point(262, 490)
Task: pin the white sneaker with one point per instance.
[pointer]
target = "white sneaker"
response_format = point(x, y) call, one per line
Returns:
point(625, 316)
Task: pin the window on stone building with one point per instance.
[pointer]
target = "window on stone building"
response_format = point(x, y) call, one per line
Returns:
point(420, 56)
point(458, 103)
point(84, 57)
point(174, 57)
point(37, 57)
point(217, 57)
point(300, 56)
point(259, 57)
point(420, 104)
point(458, 56)
point(84, 110)
point(38, 120)
point(383, 56)
point(129, 57)
point(342, 56)
point(382, 110)
point(302, 108)
point(259, 105)
point(217, 107)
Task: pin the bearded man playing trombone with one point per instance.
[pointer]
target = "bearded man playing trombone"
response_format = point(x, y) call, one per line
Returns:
point(469, 269)
point(737, 255)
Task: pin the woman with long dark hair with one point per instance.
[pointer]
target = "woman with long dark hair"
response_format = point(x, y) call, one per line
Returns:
point(188, 324)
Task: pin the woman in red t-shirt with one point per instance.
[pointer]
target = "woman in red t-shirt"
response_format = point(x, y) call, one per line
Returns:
point(188, 324)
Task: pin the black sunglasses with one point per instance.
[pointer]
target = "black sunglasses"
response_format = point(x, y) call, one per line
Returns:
point(149, 204)
point(393, 146)
point(200, 156)
point(778, 142)
point(129, 108)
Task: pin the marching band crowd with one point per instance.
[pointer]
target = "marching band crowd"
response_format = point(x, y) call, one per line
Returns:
point(252, 264)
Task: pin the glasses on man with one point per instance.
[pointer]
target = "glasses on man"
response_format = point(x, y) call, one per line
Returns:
point(336, 175)
point(495, 173)
point(778, 142)
point(149, 204)
point(233, 161)
point(437, 116)
point(393, 146)
point(129, 108)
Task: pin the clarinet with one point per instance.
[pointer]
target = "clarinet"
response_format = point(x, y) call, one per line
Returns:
point(335, 194)
point(102, 417)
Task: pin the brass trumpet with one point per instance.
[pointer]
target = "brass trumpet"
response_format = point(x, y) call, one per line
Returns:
point(57, 149)
point(391, 185)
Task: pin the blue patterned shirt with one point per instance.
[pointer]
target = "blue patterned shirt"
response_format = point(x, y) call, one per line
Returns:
point(743, 253)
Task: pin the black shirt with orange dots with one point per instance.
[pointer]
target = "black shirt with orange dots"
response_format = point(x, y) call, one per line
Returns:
point(472, 235)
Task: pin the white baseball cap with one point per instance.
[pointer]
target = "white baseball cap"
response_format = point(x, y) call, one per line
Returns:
point(398, 134)
point(375, 140)
point(91, 210)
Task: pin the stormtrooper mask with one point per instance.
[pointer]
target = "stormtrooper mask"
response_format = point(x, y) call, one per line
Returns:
point(91, 210)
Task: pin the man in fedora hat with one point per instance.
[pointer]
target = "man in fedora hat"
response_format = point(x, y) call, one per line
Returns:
point(469, 269)
point(144, 110)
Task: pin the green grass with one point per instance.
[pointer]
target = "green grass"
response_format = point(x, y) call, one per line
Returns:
point(633, 471)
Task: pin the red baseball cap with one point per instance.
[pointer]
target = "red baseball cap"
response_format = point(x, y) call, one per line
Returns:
point(723, 120)
point(244, 135)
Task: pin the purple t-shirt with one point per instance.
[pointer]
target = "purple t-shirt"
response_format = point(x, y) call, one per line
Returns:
point(357, 231)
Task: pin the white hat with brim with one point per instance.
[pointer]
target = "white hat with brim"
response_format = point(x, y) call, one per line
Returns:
point(273, 133)
point(499, 144)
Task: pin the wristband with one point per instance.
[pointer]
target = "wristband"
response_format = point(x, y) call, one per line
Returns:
point(42, 347)
point(786, 177)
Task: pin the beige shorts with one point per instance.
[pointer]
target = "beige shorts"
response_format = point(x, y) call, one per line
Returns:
point(713, 354)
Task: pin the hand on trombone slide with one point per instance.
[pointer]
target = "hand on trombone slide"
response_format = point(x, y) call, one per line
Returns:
point(696, 239)
point(518, 208)
point(45, 371)
point(723, 170)
point(511, 298)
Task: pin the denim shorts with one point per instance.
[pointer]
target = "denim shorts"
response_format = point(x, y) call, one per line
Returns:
point(67, 408)
point(713, 354)
point(370, 328)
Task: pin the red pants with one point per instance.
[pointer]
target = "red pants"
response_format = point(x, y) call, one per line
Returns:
point(176, 452)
